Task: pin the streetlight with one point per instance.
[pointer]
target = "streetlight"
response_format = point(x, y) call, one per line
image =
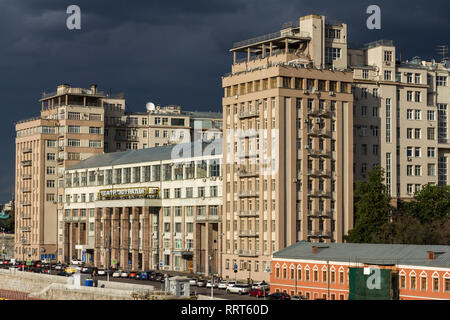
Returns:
point(23, 251)
point(211, 257)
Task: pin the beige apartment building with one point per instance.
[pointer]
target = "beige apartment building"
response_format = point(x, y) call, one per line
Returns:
point(288, 144)
point(400, 117)
point(74, 124)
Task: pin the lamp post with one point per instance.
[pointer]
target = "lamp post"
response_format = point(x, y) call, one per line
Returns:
point(23, 250)
point(211, 257)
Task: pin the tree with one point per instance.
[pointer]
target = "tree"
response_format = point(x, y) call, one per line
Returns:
point(430, 204)
point(372, 208)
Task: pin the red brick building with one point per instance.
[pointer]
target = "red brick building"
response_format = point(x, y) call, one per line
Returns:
point(321, 271)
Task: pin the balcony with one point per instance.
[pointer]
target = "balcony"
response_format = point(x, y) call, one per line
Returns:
point(26, 163)
point(444, 141)
point(26, 203)
point(184, 251)
point(247, 214)
point(26, 216)
point(207, 218)
point(249, 134)
point(319, 173)
point(326, 113)
point(319, 153)
point(26, 177)
point(320, 132)
point(248, 233)
point(26, 190)
point(126, 138)
point(319, 194)
point(27, 150)
point(247, 253)
point(74, 219)
point(26, 229)
point(246, 115)
point(244, 155)
point(249, 194)
point(248, 174)
point(320, 234)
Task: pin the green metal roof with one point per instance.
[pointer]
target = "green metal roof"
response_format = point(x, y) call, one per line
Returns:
point(382, 254)
point(193, 149)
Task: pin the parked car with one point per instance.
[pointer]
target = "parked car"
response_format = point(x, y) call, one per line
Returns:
point(101, 272)
point(222, 285)
point(209, 284)
point(70, 270)
point(14, 268)
point(76, 262)
point(124, 274)
point(132, 274)
point(158, 277)
point(230, 284)
point(261, 285)
point(298, 298)
point(201, 283)
point(143, 275)
point(193, 282)
point(279, 296)
point(61, 273)
point(59, 267)
point(117, 274)
point(238, 288)
point(257, 292)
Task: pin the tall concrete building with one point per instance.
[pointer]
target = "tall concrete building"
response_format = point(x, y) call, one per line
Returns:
point(400, 118)
point(288, 144)
point(74, 124)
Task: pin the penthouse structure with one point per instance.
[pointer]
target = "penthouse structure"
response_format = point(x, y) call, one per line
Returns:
point(155, 208)
point(287, 144)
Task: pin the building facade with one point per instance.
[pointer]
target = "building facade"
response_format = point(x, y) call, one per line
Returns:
point(74, 124)
point(321, 271)
point(156, 208)
point(288, 144)
point(400, 117)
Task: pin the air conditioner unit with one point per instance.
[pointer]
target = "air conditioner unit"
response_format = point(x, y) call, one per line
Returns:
point(305, 91)
point(307, 147)
point(317, 120)
point(306, 120)
point(409, 159)
point(204, 179)
point(331, 93)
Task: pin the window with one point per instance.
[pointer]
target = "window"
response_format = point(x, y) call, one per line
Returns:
point(341, 276)
point(50, 183)
point(441, 81)
point(73, 142)
point(430, 134)
point(409, 114)
point(417, 78)
point(431, 170)
point(402, 282)
point(413, 282)
point(430, 115)
point(365, 74)
point(332, 54)
point(423, 283)
point(387, 56)
point(95, 130)
point(431, 152)
point(387, 75)
point(51, 157)
point(73, 129)
point(51, 170)
point(436, 284)
point(95, 143)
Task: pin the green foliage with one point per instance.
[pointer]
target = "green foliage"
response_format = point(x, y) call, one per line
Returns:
point(372, 208)
point(431, 203)
point(424, 220)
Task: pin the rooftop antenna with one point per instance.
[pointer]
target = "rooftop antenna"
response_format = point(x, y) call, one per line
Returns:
point(443, 51)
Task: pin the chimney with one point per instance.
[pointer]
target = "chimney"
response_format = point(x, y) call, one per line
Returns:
point(93, 88)
point(315, 249)
point(431, 255)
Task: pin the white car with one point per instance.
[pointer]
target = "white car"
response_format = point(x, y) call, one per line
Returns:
point(209, 284)
point(230, 284)
point(101, 272)
point(261, 285)
point(193, 282)
point(222, 285)
point(238, 288)
point(201, 283)
point(76, 262)
point(124, 274)
point(14, 268)
point(116, 274)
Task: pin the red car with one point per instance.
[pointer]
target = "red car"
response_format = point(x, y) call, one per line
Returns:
point(257, 293)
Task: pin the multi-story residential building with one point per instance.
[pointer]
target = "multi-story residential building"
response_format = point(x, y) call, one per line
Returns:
point(400, 118)
point(69, 129)
point(158, 126)
point(288, 144)
point(74, 124)
point(321, 271)
point(155, 208)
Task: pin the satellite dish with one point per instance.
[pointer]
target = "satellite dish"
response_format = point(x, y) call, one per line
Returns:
point(150, 106)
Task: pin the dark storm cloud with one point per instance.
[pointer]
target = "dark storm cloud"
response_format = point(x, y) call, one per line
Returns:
point(168, 52)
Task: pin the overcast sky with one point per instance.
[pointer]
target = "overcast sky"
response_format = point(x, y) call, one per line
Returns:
point(167, 52)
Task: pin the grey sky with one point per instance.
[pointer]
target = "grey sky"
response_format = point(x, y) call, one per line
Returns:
point(168, 52)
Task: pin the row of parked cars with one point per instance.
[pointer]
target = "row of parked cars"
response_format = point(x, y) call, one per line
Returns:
point(260, 289)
